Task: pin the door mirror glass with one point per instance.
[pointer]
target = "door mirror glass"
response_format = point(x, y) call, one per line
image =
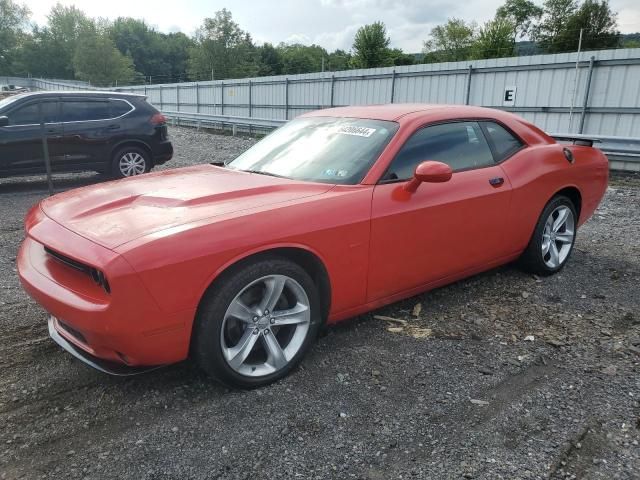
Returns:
point(429, 172)
point(4, 121)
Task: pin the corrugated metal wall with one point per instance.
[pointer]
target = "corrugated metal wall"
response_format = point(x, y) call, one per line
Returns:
point(544, 90)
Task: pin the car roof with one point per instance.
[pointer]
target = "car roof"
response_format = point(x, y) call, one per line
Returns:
point(395, 111)
point(81, 93)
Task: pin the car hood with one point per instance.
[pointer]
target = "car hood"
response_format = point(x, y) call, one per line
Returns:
point(114, 213)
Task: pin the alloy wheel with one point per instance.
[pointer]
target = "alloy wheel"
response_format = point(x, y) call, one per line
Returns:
point(132, 163)
point(558, 236)
point(265, 325)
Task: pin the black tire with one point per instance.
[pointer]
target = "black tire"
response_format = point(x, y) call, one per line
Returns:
point(206, 345)
point(532, 259)
point(117, 172)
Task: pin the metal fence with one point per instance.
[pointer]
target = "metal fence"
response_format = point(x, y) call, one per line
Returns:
point(604, 90)
point(596, 93)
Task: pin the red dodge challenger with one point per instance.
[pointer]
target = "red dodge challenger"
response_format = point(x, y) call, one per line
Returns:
point(336, 213)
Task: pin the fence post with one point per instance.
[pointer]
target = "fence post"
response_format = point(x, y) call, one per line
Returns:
point(161, 107)
point(587, 87)
point(250, 101)
point(333, 87)
point(177, 97)
point(221, 98)
point(393, 84)
point(468, 94)
point(198, 100)
point(286, 99)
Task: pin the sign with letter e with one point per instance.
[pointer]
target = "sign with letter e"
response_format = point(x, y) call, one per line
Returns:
point(509, 97)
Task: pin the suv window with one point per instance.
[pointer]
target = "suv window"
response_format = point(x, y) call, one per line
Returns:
point(30, 114)
point(461, 145)
point(84, 110)
point(119, 108)
point(504, 142)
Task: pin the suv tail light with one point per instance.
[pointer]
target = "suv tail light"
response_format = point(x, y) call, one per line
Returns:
point(158, 119)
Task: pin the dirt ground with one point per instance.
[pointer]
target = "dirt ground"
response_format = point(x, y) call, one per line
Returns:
point(501, 376)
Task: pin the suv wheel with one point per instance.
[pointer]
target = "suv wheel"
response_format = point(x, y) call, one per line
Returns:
point(130, 161)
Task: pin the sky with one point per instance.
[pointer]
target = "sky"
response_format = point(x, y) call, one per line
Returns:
point(329, 23)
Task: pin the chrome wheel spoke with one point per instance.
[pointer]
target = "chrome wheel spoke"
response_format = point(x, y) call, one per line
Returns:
point(290, 317)
point(563, 214)
point(555, 255)
point(277, 357)
point(565, 237)
point(238, 354)
point(239, 310)
point(274, 286)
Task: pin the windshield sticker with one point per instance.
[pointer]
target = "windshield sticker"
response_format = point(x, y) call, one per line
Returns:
point(357, 131)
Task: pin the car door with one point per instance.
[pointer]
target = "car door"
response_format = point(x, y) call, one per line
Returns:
point(87, 131)
point(21, 149)
point(442, 229)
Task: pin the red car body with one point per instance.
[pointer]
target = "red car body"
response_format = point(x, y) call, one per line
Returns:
point(161, 239)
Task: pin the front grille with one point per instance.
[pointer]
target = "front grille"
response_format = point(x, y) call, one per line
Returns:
point(96, 275)
point(70, 262)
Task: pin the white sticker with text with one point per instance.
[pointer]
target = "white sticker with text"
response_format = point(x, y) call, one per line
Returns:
point(357, 131)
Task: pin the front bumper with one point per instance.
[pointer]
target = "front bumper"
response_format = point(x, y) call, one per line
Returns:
point(123, 327)
point(105, 366)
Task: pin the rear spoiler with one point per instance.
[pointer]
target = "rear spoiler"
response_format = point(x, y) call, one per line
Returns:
point(576, 139)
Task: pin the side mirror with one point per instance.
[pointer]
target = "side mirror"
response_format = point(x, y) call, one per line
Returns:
point(430, 172)
point(4, 121)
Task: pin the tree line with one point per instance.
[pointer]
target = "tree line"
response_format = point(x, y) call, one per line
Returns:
point(72, 45)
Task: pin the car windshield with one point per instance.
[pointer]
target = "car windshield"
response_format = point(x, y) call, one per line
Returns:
point(319, 149)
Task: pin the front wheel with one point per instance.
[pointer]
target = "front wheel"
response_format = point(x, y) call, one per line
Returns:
point(553, 238)
point(257, 323)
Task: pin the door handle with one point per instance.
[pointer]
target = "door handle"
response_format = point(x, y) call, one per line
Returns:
point(496, 181)
point(113, 127)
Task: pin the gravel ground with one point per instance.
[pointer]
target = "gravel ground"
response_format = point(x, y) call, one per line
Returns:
point(501, 376)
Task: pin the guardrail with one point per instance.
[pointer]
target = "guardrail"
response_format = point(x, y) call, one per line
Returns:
point(623, 152)
point(199, 120)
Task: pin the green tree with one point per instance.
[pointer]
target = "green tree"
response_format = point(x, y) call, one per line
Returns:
point(450, 42)
point(297, 58)
point(550, 32)
point(145, 46)
point(398, 57)
point(494, 40)
point(65, 25)
point(339, 60)
point(371, 46)
point(178, 46)
point(98, 60)
point(13, 19)
point(521, 14)
point(269, 60)
point(598, 24)
point(222, 50)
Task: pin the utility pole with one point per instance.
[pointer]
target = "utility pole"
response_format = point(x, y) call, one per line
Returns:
point(575, 82)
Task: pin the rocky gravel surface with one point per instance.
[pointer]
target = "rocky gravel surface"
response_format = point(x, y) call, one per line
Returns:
point(500, 376)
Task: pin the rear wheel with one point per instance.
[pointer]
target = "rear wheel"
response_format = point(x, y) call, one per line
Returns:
point(130, 161)
point(257, 323)
point(553, 238)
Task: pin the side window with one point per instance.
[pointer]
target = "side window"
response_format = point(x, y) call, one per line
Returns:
point(80, 111)
point(504, 142)
point(30, 114)
point(119, 108)
point(461, 145)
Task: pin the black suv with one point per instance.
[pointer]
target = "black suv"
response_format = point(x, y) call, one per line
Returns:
point(114, 133)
